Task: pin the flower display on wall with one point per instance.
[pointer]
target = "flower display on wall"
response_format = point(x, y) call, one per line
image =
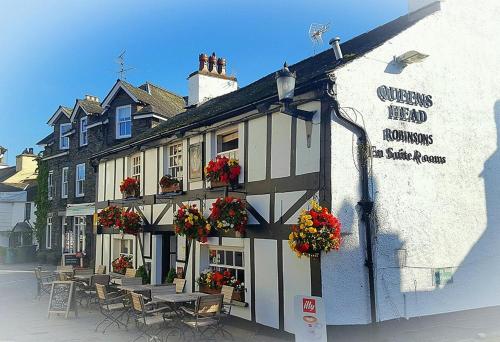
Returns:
point(229, 214)
point(223, 170)
point(169, 184)
point(215, 280)
point(110, 217)
point(188, 221)
point(129, 187)
point(131, 222)
point(317, 231)
point(121, 264)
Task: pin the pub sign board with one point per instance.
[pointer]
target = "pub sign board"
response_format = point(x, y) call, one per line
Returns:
point(310, 321)
point(71, 260)
point(62, 298)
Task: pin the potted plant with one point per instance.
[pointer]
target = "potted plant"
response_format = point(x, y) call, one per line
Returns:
point(317, 231)
point(110, 217)
point(212, 281)
point(129, 187)
point(229, 214)
point(222, 172)
point(188, 221)
point(121, 264)
point(169, 184)
point(130, 222)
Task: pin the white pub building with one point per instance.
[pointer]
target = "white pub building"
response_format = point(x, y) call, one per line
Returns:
point(396, 131)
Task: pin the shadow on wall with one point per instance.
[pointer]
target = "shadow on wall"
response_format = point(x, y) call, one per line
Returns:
point(475, 283)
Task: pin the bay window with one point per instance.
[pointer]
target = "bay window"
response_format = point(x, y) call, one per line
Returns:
point(123, 122)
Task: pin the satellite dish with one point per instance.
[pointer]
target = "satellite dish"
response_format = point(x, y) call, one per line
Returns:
point(316, 33)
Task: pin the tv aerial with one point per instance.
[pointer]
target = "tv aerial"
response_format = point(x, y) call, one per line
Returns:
point(316, 34)
point(123, 70)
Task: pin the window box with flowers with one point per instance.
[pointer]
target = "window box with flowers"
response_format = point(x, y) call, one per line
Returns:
point(229, 214)
point(110, 217)
point(223, 171)
point(189, 222)
point(317, 231)
point(129, 188)
point(211, 282)
point(131, 222)
point(169, 184)
point(121, 264)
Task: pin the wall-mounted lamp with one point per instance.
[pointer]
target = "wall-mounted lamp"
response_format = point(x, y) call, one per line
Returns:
point(409, 57)
point(285, 82)
point(400, 256)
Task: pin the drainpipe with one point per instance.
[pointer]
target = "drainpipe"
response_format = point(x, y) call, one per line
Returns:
point(365, 203)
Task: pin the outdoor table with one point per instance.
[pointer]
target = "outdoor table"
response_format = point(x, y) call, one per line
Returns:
point(174, 300)
point(145, 288)
point(83, 277)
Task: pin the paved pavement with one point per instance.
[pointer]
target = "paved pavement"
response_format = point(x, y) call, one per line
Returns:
point(24, 318)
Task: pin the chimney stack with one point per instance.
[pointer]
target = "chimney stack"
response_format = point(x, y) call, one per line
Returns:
point(334, 42)
point(26, 161)
point(91, 98)
point(211, 80)
point(212, 63)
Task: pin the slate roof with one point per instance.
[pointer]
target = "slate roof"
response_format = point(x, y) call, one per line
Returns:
point(9, 188)
point(47, 140)
point(67, 111)
point(7, 172)
point(308, 71)
point(160, 101)
point(91, 107)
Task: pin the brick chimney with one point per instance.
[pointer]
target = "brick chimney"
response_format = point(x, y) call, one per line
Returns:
point(210, 80)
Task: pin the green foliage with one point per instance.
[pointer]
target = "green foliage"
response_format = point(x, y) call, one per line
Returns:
point(142, 272)
point(41, 201)
point(171, 275)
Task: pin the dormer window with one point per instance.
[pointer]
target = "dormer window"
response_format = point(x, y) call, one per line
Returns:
point(64, 141)
point(83, 131)
point(123, 122)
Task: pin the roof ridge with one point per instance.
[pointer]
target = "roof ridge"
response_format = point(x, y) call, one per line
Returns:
point(164, 89)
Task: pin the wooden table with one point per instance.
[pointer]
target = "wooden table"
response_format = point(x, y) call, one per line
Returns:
point(177, 298)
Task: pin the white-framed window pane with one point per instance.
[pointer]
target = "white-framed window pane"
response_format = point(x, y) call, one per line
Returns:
point(48, 233)
point(80, 233)
point(80, 179)
point(64, 182)
point(231, 259)
point(123, 122)
point(135, 171)
point(50, 185)
point(83, 131)
point(175, 160)
point(227, 144)
point(64, 141)
point(69, 237)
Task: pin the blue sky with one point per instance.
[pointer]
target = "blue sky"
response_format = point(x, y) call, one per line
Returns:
point(56, 51)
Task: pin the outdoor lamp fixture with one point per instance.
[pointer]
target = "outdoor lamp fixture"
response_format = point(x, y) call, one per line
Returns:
point(409, 57)
point(285, 82)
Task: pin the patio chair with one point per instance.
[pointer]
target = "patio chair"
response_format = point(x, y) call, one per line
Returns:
point(150, 321)
point(179, 284)
point(44, 283)
point(101, 269)
point(206, 316)
point(112, 307)
point(130, 273)
point(88, 291)
point(227, 292)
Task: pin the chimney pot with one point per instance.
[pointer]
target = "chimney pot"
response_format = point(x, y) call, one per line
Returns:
point(334, 42)
point(212, 63)
point(221, 66)
point(203, 62)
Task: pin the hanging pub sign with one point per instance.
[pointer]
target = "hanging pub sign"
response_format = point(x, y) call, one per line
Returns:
point(395, 111)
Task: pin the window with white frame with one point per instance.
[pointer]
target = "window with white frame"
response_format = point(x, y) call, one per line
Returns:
point(48, 233)
point(79, 223)
point(83, 131)
point(79, 180)
point(50, 185)
point(222, 258)
point(227, 144)
point(64, 141)
point(126, 247)
point(123, 122)
point(135, 167)
point(175, 160)
point(69, 237)
point(64, 182)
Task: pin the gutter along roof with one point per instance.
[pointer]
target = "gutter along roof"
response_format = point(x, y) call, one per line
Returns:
point(308, 71)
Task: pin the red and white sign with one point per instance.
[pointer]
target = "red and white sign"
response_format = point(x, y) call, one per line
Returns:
point(310, 319)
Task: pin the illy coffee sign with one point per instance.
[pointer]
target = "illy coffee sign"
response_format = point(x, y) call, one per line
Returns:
point(310, 323)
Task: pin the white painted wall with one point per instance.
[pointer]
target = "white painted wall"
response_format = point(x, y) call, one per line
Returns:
point(110, 180)
point(445, 215)
point(203, 87)
point(119, 169)
point(280, 145)
point(257, 142)
point(266, 280)
point(150, 172)
point(100, 183)
point(307, 158)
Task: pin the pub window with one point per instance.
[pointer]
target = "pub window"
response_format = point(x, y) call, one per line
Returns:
point(230, 259)
point(175, 160)
point(126, 247)
point(80, 233)
point(69, 237)
point(135, 167)
point(227, 144)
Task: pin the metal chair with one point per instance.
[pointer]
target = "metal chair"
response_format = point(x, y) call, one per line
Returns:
point(227, 304)
point(88, 291)
point(179, 284)
point(44, 283)
point(112, 307)
point(150, 322)
point(130, 273)
point(101, 269)
point(206, 316)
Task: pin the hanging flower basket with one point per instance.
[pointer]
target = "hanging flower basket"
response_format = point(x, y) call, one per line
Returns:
point(189, 222)
point(317, 231)
point(170, 184)
point(129, 187)
point(121, 264)
point(222, 171)
point(110, 217)
point(131, 222)
point(229, 214)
